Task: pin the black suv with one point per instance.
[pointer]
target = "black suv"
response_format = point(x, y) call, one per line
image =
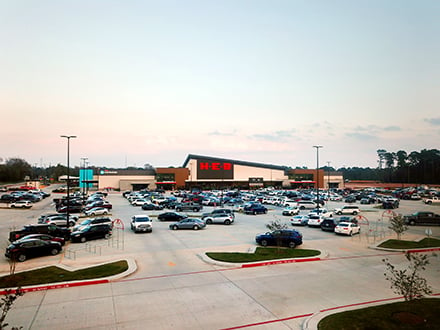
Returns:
point(33, 247)
point(329, 224)
point(289, 237)
point(91, 232)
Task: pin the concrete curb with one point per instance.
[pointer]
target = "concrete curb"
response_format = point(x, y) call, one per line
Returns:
point(132, 267)
point(208, 260)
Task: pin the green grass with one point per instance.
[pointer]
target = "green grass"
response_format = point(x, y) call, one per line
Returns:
point(54, 274)
point(417, 314)
point(401, 244)
point(262, 254)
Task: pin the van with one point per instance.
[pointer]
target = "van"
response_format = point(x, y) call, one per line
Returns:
point(306, 205)
point(348, 209)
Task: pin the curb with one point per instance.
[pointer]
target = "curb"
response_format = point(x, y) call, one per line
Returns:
point(132, 267)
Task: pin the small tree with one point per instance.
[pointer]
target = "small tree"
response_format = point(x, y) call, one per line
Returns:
point(408, 282)
point(274, 226)
point(6, 304)
point(397, 224)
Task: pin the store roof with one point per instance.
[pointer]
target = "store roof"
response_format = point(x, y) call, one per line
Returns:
point(234, 161)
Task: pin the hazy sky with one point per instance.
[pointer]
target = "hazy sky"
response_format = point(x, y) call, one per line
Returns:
point(153, 81)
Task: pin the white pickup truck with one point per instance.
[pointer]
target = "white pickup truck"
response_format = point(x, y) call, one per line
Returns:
point(432, 200)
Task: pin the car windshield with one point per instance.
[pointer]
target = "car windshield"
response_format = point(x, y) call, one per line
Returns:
point(85, 222)
point(142, 220)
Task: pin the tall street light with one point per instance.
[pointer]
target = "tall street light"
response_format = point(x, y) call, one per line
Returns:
point(328, 180)
point(68, 137)
point(317, 175)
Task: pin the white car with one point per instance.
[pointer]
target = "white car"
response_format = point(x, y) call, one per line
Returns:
point(348, 209)
point(291, 211)
point(141, 223)
point(96, 211)
point(223, 218)
point(300, 220)
point(347, 228)
point(140, 202)
point(24, 204)
point(315, 220)
point(321, 211)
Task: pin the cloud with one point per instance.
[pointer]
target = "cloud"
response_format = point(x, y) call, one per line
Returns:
point(217, 133)
point(392, 128)
point(361, 136)
point(433, 121)
point(278, 136)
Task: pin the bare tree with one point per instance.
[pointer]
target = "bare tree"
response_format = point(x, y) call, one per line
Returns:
point(6, 304)
point(397, 224)
point(408, 282)
point(274, 226)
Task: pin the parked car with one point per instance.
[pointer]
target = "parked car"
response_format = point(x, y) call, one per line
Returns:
point(60, 220)
point(23, 204)
point(93, 222)
point(255, 208)
point(306, 204)
point(219, 211)
point(104, 204)
point(422, 218)
point(96, 211)
point(44, 237)
point(150, 206)
point(39, 229)
point(329, 224)
point(139, 201)
point(347, 228)
point(390, 203)
point(223, 218)
point(31, 248)
point(291, 210)
point(91, 232)
point(71, 209)
point(189, 223)
point(188, 207)
point(348, 209)
point(301, 220)
point(315, 220)
point(141, 223)
point(321, 211)
point(171, 216)
point(287, 237)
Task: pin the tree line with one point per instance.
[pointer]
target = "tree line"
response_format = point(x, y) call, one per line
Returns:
point(418, 167)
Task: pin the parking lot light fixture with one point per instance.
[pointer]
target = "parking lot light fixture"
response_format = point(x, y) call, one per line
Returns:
point(68, 137)
point(317, 175)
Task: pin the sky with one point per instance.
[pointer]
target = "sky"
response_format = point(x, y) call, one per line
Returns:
point(149, 82)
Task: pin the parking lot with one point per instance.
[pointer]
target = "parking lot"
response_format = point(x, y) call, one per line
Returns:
point(174, 288)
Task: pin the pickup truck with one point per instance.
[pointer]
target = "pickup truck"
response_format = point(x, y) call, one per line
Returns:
point(432, 200)
point(40, 229)
point(422, 218)
point(188, 207)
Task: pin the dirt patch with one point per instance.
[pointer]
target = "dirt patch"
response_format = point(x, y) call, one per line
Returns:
point(408, 318)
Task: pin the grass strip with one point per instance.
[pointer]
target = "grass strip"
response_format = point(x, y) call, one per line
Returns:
point(427, 242)
point(262, 254)
point(54, 274)
point(416, 314)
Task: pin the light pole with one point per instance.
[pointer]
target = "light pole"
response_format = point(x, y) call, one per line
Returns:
point(317, 175)
point(68, 137)
point(328, 180)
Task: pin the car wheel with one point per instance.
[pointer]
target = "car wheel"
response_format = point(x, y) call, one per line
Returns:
point(107, 236)
point(178, 210)
point(302, 207)
point(264, 242)
point(83, 239)
point(175, 227)
point(412, 223)
point(255, 212)
point(429, 202)
point(265, 211)
point(209, 221)
point(227, 222)
point(292, 244)
point(339, 213)
point(54, 252)
point(196, 227)
point(21, 257)
point(195, 209)
point(71, 223)
point(12, 206)
point(350, 233)
point(354, 213)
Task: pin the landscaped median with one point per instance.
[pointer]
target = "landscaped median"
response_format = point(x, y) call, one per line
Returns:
point(55, 277)
point(263, 256)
